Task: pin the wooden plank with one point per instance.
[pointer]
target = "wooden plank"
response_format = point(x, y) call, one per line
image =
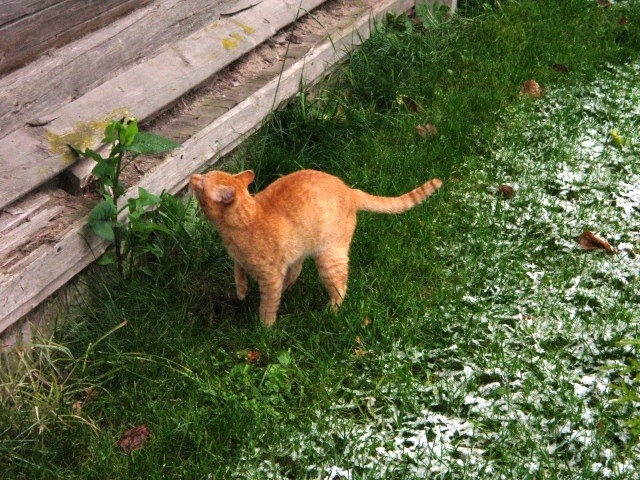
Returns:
point(205, 108)
point(23, 234)
point(30, 282)
point(11, 10)
point(54, 24)
point(47, 269)
point(53, 80)
point(17, 214)
point(32, 155)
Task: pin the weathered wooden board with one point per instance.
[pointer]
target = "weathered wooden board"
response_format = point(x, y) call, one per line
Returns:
point(34, 154)
point(11, 10)
point(45, 271)
point(66, 73)
point(22, 235)
point(21, 210)
point(50, 267)
point(29, 28)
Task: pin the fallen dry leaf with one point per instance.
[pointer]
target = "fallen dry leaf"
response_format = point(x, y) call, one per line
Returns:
point(77, 407)
point(591, 241)
point(427, 130)
point(623, 21)
point(532, 89)
point(134, 438)
point(366, 322)
point(506, 191)
point(604, 3)
point(253, 356)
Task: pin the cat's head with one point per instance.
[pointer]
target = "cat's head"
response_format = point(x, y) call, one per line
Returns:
point(218, 191)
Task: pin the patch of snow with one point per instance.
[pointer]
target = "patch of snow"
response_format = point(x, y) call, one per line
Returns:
point(517, 395)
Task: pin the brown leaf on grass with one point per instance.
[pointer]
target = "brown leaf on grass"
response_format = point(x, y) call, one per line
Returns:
point(427, 130)
point(591, 241)
point(366, 322)
point(532, 89)
point(134, 438)
point(506, 191)
point(253, 356)
point(604, 3)
point(623, 21)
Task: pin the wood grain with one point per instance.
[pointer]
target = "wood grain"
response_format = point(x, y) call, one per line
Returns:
point(29, 28)
point(33, 93)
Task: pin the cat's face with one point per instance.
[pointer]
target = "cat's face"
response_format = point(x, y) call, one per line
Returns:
point(216, 191)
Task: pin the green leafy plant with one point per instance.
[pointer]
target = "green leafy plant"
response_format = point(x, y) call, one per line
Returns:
point(127, 143)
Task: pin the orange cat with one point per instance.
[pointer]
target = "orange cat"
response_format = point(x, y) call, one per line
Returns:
point(307, 213)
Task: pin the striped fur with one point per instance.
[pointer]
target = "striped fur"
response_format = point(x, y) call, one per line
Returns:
point(307, 213)
point(372, 203)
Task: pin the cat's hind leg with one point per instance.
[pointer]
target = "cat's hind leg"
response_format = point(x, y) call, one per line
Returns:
point(292, 274)
point(240, 277)
point(333, 268)
point(270, 294)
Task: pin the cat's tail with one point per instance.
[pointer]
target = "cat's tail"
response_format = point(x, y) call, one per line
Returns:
point(373, 203)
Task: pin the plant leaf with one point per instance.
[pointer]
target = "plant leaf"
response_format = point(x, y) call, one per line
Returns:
point(150, 144)
point(111, 132)
point(101, 220)
point(146, 198)
point(105, 170)
point(130, 133)
point(284, 358)
point(88, 153)
point(107, 259)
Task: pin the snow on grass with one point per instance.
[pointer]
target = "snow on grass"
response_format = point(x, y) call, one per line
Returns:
point(526, 386)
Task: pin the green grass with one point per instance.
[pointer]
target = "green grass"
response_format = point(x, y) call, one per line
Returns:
point(477, 339)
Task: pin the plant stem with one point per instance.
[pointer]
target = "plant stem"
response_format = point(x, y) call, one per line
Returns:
point(117, 234)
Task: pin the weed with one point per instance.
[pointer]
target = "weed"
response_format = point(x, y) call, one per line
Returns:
point(125, 139)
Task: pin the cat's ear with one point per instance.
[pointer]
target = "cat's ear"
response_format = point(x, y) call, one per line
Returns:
point(223, 194)
point(246, 177)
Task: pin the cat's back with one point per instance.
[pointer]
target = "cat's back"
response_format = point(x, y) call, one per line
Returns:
point(305, 189)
